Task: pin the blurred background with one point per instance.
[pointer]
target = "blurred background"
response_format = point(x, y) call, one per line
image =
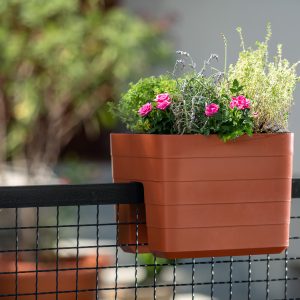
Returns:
point(62, 61)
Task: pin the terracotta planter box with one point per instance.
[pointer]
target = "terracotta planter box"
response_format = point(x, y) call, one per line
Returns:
point(47, 280)
point(128, 232)
point(204, 197)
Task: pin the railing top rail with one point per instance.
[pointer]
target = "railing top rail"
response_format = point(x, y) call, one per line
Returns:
point(68, 195)
point(83, 194)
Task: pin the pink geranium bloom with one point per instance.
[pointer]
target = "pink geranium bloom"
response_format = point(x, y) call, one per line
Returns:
point(240, 102)
point(233, 103)
point(163, 105)
point(211, 109)
point(163, 101)
point(145, 109)
point(163, 97)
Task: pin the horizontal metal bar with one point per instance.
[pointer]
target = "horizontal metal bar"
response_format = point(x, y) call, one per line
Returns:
point(69, 195)
point(145, 286)
point(158, 265)
point(86, 194)
point(70, 226)
point(71, 248)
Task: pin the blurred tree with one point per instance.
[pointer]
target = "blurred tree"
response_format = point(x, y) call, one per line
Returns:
point(60, 61)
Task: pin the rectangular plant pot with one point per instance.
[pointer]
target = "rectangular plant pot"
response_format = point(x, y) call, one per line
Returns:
point(132, 231)
point(131, 237)
point(204, 197)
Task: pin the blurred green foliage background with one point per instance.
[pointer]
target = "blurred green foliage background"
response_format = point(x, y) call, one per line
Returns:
point(60, 62)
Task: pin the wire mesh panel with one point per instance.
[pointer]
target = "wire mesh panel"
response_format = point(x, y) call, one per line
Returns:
point(70, 251)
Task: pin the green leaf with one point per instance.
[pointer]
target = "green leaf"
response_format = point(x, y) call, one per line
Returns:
point(235, 83)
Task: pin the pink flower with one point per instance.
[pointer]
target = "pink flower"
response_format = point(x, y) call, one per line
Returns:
point(163, 101)
point(241, 102)
point(163, 105)
point(244, 102)
point(145, 109)
point(163, 97)
point(211, 109)
point(233, 103)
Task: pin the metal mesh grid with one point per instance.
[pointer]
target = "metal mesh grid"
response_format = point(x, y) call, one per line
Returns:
point(73, 254)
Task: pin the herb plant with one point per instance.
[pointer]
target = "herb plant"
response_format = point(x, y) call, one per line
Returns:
point(255, 95)
point(269, 84)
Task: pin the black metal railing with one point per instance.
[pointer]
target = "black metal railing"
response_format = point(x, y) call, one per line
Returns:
point(61, 242)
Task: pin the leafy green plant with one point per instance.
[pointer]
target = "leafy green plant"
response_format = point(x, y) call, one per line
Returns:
point(190, 95)
point(60, 62)
point(145, 90)
point(269, 84)
point(236, 121)
point(255, 95)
